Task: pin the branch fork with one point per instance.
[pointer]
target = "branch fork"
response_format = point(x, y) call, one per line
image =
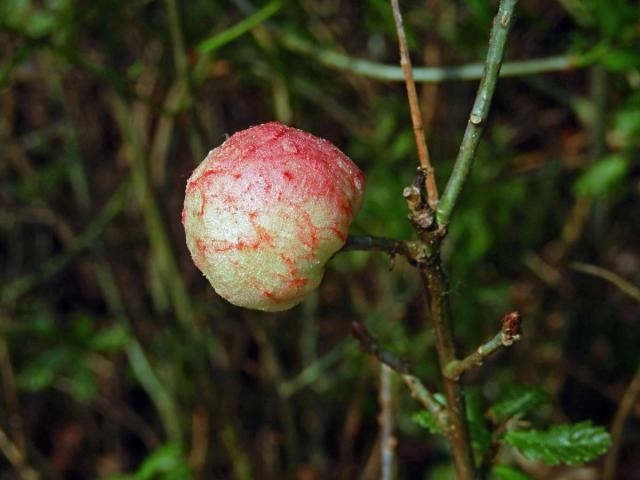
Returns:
point(430, 215)
point(419, 391)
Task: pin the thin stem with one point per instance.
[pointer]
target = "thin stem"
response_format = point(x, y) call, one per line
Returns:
point(411, 250)
point(15, 457)
point(478, 116)
point(387, 440)
point(393, 73)
point(243, 26)
point(12, 403)
point(196, 134)
point(85, 240)
point(141, 367)
point(418, 390)
point(617, 428)
point(414, 106)
point(314, 370)
point(611, 277)
point(509, 333)
point(437, 291)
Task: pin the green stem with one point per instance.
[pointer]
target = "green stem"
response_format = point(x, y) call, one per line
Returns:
point(158, 235)
point(141, 367)
point(216, 41)
point(456, 368)
point(196, 133)
point(478, 116)
point(393, 73)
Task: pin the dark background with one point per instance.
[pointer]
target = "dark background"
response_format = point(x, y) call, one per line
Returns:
point(116, 354)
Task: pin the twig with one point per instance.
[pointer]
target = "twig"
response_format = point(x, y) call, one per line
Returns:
point(433, 274)
point(15, 457)
point(478, 116)
point(418, 390)
point(509, 333)
point(156, 227)
point(83, 241)
point(411, 250)
point(611, 277)
point(219, 39)
point(12, 403)
point(387, 440)
point(196, 134)
point(392, 73)
point(617, 428)
point(414, 106)
point(313, 370)
point(633, 390)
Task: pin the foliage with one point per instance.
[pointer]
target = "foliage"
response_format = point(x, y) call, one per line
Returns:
point(517, 400)
point(505, 472)
point(570, 444)
point(165, 463)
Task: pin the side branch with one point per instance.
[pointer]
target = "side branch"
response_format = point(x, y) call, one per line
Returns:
point(418, 390)
point(392, 73)
point(410, 250)
point(414, 105)
point(479, 112)
point(508, 335)
point(609, 276)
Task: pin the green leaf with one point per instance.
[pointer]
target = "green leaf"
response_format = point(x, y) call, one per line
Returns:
point(82, 384)
point(627, 125)
point(621, 60)
point(518, 400)
point(603, 177)
point(505, 472)
point(166, 462)
point(82, 326)
point(425, 419)
point(442, 472)
point(569, 444)
point(43, 370)
point(110, 339)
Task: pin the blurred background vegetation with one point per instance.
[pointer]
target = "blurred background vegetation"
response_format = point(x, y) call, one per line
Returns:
point(117, 358)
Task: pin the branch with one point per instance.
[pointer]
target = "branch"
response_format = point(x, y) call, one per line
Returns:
point(437, 290)
point(13, 290)
point(414, 106)
point(196, 133)
point(609, 276)
point(617, 428)
point(410, 250)
point(392, 73)
point(15, 457)
point(509, 333)
point(478, 116)
point(418, 390)
point(217, 40)
point(387, 440)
